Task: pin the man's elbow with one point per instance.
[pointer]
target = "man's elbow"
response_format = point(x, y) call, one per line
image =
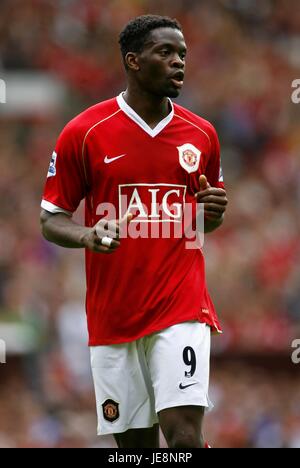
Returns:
point(44, 218)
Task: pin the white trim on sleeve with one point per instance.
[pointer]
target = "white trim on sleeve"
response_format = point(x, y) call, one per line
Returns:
point(53, 208)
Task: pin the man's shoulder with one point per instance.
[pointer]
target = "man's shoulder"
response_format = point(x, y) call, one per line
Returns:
point(92, 116)
point(195, 120)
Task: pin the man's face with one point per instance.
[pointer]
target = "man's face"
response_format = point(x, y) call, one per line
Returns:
point(162, 63)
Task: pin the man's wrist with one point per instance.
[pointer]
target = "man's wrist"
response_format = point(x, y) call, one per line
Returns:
point(84, 235)
point(211, 224)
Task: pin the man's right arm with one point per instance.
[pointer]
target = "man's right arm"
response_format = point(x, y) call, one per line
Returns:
point(62, 230)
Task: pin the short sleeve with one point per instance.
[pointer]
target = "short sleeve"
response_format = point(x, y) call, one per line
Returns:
point(66, 179)
point(214, 172)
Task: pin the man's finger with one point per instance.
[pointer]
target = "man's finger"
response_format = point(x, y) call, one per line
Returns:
point(102, 247)
point(100, 234)
point(213, 216)
point(211, 191)
point(109, 231)
point(104, 250)
point(114, 227)
point(114, 245)
point(214, 199)
point(211, 207)
point(107, 226)
point(126, 219)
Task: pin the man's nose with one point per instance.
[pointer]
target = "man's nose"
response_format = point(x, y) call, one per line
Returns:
point(177, 62)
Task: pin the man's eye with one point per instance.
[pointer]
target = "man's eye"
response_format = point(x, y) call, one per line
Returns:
point(164, 52)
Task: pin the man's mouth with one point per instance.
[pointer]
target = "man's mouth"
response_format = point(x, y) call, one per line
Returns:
point(177, 79)
point(177, 83)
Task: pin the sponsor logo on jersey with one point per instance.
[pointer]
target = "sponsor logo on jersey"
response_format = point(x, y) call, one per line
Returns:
point(152, 203)
point(111, 410)
point(189, 157)
point(52, 167)
point(159, 211)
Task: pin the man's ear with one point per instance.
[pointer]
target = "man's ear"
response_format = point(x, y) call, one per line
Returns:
point(131, 60)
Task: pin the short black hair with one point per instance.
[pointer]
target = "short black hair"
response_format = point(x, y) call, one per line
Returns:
point(136, 32)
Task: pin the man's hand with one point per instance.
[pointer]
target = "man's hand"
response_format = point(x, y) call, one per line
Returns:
point(214, 201)
point(105, 231)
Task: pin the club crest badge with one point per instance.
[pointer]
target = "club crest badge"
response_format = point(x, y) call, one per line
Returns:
point(110, 410)
point(189, 157)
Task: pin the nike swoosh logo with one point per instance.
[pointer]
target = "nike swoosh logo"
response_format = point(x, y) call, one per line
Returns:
point(108, 160)
point(182, 387)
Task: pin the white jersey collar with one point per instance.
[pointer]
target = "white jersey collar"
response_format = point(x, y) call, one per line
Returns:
point(153, 132)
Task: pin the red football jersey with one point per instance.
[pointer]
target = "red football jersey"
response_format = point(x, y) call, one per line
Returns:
point(111, 157)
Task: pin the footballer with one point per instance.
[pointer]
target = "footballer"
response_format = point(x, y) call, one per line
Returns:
point(150, 316)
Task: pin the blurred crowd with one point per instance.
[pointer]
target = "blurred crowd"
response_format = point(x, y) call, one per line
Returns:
point(242, 59)
point(254, 408)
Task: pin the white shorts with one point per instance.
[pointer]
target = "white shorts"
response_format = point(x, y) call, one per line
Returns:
point(134, 381)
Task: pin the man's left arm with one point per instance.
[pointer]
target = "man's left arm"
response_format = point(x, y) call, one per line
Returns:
point(212, 192)
point(214, 201)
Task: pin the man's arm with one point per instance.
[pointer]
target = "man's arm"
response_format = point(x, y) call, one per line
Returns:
point(62, 230)
point(215, 203)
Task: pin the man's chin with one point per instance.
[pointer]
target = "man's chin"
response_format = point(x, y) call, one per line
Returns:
point(169, 92)
point(174, 93)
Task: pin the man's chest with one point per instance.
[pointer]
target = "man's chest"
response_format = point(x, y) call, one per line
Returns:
point(131, 156)
point(152, 177)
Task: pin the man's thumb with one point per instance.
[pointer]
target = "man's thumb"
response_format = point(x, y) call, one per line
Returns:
point(203, 182)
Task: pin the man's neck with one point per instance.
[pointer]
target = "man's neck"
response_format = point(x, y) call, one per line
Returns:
point(150, 108)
